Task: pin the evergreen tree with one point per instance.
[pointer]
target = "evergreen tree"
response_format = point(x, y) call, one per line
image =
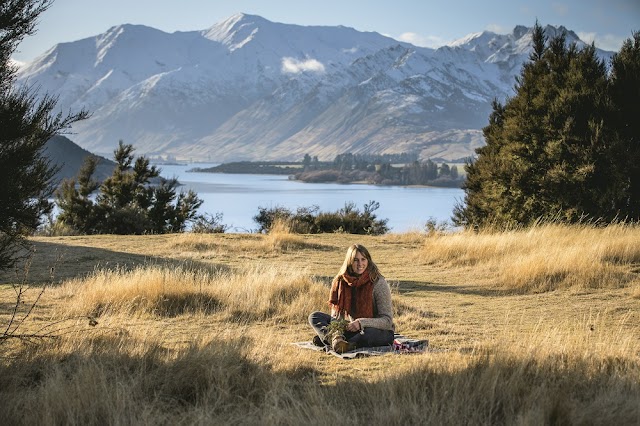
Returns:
point(133, 200)
point(573, 182)
point(625, 92)
point(73, 199)
point(125, 196)
point(445, 171)
point(27, 122)
point(549, 151)
point(482, 184)
point(306, 161)
point(431, 170)
point(454, 172)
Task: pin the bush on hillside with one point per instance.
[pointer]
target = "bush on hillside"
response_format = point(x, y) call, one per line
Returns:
point(133, 200)
point(209, 224)
point(309, 220)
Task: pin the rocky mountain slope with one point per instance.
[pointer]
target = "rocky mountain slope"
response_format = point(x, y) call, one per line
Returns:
point(251, 89)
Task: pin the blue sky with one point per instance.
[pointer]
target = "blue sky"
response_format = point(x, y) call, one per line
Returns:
point(422, 22)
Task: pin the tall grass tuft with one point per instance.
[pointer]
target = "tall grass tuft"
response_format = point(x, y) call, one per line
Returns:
point(259, 292)
point(195, 242)
point(544, 257)
point(281, 237)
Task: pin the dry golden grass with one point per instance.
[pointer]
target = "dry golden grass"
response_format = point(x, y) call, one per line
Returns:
point(545, 257)
point(260, 292)
point(197, 329)
point(280, 238)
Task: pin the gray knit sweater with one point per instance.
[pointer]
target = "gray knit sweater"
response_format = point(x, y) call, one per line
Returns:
point(382, 308)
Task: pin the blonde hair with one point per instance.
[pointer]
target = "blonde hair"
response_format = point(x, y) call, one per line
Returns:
point(372, 268)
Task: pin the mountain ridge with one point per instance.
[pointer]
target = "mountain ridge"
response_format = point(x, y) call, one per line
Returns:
point(68, 158)
point(250, 89)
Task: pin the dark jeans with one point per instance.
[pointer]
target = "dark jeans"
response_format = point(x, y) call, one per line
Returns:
point(371, 336)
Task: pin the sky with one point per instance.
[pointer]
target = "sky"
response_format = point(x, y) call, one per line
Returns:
point(421, 22)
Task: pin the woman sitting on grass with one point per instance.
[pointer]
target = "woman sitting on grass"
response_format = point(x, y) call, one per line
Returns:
point(361, 311)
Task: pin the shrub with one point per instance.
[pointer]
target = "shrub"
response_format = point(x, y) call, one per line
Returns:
point(209, 224)
point(133, 200)
point(267, 217)
point(309, 220)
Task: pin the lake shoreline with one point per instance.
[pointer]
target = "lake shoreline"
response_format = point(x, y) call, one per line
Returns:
point(239, 196)
point(297, 171)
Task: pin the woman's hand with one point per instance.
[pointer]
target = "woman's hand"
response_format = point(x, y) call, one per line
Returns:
point(354, 326)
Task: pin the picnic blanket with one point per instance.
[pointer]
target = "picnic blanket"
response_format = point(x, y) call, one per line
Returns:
point(401, 345)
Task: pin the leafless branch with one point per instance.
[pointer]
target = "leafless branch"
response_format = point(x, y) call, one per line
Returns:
point(15, 321)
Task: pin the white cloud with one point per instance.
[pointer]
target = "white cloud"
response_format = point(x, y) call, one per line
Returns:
point(608, 42)
point(498, 29)
point(587, 37)
point(422, 41)
point(294, 66)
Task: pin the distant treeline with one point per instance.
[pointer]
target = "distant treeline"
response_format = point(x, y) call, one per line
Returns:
point(253, 167)
point(383, 169)
point(387, 169)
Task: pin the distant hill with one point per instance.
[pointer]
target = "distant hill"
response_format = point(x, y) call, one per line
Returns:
point(70, 157)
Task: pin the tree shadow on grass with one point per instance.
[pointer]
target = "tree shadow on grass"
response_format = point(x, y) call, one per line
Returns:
point(219, 382)
point(54, 263)
point(408, 287)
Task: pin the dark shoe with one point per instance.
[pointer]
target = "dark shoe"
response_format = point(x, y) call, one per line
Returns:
point(341, 346)
point(318, 341)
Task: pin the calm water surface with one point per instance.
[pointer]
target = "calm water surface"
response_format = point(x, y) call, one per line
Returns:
point(238, 196)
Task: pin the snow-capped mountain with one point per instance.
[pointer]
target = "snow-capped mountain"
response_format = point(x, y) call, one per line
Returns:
point(250, 89)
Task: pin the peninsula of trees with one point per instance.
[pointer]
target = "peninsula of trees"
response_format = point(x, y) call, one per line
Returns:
point(386, 169)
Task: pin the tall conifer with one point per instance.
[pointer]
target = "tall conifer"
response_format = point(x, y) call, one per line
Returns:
point(625, 93)
point(554, 149)
point(27, 122)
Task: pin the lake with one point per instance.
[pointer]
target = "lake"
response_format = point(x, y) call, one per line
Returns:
point(238, 196)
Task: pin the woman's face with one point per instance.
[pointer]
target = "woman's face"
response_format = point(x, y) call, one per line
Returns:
point(359, 264)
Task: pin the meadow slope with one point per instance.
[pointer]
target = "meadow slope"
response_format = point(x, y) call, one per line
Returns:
point(525, 327)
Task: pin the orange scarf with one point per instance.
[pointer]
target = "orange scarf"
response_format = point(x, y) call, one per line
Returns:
point(341, 300)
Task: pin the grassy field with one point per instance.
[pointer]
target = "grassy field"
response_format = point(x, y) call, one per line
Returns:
point(535, 326)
